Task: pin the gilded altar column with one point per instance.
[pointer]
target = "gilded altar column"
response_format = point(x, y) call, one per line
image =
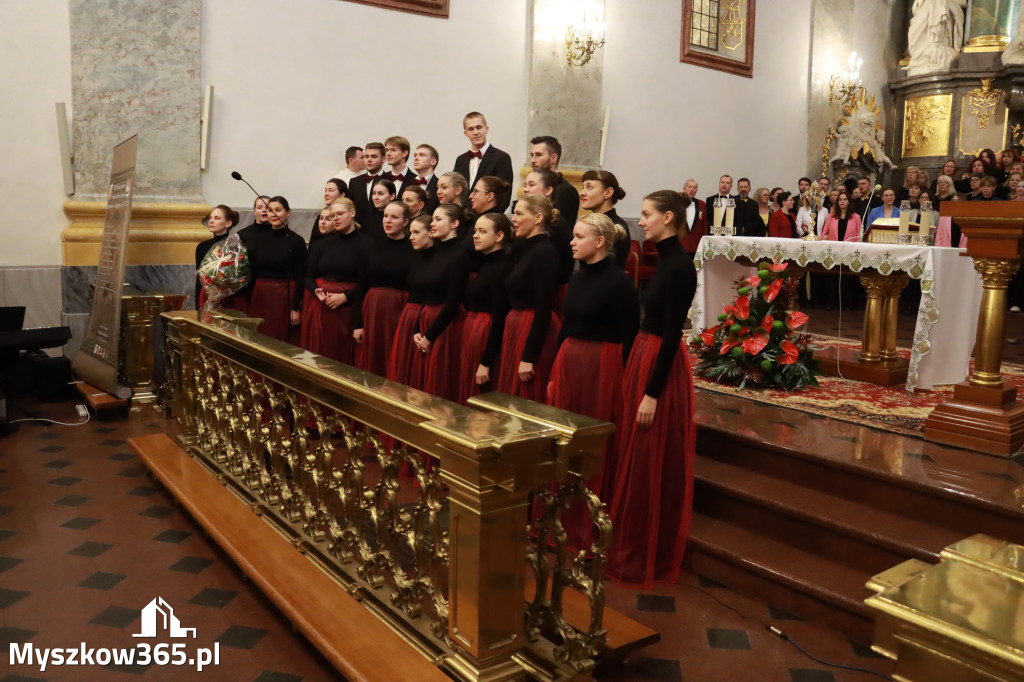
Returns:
point(988, 345)
point(988, 25)
point(871, 350)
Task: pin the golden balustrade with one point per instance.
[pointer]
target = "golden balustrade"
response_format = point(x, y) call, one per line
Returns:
point(416, 506)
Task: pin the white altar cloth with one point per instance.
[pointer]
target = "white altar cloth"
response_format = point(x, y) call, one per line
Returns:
point(951, 291)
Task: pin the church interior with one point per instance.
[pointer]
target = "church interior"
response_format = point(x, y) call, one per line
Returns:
point(840, 473)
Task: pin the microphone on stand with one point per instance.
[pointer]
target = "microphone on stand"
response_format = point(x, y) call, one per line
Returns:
point(863, 218)
point(238, 176)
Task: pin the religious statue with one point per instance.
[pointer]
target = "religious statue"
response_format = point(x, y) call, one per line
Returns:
point(1014, 52)
point(936, 35)
point(860, 133)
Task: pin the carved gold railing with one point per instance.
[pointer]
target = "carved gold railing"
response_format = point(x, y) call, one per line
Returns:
point(417, 506)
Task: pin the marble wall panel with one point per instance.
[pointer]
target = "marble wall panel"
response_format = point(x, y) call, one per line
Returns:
point(77, 283)
point(78, 323)
point(135, 69)
point(564, 101)
point(38, 289)
point(876, 31)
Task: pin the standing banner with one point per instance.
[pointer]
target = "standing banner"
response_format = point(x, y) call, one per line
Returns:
point(96, 361)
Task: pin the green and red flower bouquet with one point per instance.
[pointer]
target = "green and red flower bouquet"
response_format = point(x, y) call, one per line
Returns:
point(756, 343)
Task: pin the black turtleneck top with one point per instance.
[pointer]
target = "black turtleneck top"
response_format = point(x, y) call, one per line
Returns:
point(561, 239)
point(338, 257)
point(531, 285)
point(666, 301)
point(439, 278)
point(622, 244)
point(601, 305)
point(276, 254)
point(486, 293)
point(373, 223)
point(388, 266)
point(203, 248)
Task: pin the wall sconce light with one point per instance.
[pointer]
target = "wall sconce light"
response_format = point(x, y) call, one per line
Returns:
point(582, 40)
point(843, 87)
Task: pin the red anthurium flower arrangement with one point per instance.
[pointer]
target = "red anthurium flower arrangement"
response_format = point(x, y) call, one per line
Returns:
point(755, 342)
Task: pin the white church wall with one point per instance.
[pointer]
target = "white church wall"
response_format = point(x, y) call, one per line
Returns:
point(671, 121)
point(37, 73)
point(298, 82)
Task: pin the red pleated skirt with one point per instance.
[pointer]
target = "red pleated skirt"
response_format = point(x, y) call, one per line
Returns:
point(272, 300)
point(309, 302)
point(517, 329)
point(382, 306)
point(403, 350)
point(652, 487)
point(587, 379)
point(474, 339)
point(440, 366)
point(328, 331)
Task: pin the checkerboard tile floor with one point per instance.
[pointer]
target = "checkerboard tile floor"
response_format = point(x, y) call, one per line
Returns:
point(87, 540)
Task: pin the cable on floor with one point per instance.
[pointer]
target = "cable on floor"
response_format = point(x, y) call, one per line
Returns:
point(782, 635)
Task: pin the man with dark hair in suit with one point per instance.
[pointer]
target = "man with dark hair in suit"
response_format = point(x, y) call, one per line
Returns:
point(860, 204)
point(696, 219)
point(545, 153)
point(396, 151)
point(424, 161)
point(747, 222)
point(482, 158)
point(361, 185)
point(724, 187)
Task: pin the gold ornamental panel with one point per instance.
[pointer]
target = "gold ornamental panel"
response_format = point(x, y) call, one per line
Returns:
point(926, 125)
point(983, 119)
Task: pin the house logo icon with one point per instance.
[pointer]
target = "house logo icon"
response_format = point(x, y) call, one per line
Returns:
point(159, 609)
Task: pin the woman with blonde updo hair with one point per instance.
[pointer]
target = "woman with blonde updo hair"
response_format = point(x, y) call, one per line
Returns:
point(531, 328)
point(333, 269)
point(383, 290)
point(601, 319)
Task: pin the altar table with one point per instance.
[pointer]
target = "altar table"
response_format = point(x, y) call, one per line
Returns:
point(951, 291)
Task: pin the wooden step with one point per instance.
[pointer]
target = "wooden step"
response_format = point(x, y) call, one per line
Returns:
point(847, 529)
point(939, 505)
point(356, 642)
point(98, 399)
point(824, 591)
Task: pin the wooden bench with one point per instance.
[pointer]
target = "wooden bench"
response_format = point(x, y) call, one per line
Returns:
point(355, 641)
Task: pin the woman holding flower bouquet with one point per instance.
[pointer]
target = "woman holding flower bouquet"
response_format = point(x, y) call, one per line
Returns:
point(652, 490)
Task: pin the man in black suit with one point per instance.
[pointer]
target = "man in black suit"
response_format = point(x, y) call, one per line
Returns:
point(747, 221)
point(860, 204)
point(545, 152)
point(482, 158)
point(359, 188)
point(724, 187)
point(424, 162)
point(396, 151)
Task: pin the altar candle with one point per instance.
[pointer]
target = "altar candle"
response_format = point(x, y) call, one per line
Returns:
point(904, 222)
point(718, 216)
point(729, 212)
point(925, 222)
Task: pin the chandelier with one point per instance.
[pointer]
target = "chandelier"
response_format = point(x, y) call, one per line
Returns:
point(843, 87)
point(584, 38)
